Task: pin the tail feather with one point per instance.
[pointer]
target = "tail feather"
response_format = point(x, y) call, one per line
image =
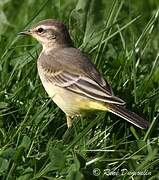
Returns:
point(128, 115)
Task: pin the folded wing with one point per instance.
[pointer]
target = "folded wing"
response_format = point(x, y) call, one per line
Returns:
point(82, 85)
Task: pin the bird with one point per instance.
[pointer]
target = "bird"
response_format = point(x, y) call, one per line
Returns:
point(71, 79)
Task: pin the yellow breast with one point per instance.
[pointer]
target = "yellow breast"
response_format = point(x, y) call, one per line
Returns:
point(69, 102)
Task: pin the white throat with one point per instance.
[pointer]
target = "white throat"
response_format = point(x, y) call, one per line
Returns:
point(49, 46)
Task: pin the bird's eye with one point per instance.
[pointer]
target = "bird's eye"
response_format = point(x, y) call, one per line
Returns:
point(40, 30)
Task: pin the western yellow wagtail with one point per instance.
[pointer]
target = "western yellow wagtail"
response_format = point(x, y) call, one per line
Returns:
point(70, 79)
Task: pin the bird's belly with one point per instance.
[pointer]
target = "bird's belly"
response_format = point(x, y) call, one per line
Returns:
point(65, 99)
point(69, 102)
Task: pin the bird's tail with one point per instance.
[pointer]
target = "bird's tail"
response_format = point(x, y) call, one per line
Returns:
point(128, 115)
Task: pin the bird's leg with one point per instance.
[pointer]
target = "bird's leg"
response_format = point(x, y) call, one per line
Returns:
point(69, 121)
point(69, 134)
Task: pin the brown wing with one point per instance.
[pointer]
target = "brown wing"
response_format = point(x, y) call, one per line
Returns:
point(69, 69)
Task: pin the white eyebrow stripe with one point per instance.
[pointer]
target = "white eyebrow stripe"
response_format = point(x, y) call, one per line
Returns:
point(47, 27)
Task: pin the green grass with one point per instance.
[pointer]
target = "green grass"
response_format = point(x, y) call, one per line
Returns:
point(122, 39)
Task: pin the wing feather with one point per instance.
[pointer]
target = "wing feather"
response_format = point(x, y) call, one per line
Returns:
point(82, 85)
point(69, 68)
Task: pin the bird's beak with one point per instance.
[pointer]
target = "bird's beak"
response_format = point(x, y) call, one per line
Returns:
point(27, 32)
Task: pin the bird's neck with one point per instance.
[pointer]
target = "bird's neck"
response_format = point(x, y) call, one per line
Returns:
point(48, 47)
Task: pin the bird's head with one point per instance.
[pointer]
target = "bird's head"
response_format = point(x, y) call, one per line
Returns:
point(50, 33)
